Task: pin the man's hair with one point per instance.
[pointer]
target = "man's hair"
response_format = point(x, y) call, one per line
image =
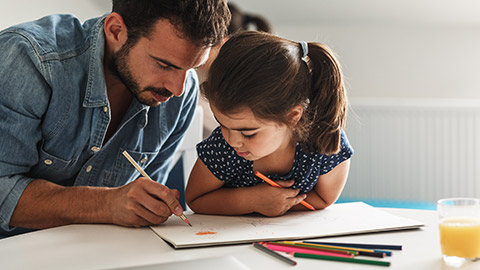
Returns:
point(204, 22)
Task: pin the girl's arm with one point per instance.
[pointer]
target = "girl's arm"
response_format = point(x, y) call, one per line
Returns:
point(205, 194)
point(328, 187)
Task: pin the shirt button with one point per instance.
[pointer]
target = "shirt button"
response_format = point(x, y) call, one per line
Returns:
point(143, 160)
point(95, 149)
point(105, 109)
point(89, 168)
point(48, 162)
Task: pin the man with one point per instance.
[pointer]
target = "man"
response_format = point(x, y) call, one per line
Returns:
point(75, 96)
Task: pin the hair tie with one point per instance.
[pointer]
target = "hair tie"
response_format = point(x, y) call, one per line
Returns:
point(305, 57)
point(304, 45)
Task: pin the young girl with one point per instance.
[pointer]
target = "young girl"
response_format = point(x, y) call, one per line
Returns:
point(281, 106)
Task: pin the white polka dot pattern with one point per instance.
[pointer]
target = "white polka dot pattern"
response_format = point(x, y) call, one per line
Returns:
point(235, 171)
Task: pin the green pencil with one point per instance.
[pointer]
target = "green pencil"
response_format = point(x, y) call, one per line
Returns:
point(341, 259)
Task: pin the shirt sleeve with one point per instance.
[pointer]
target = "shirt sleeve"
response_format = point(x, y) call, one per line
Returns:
point(328, 162)
point(25, 93)
point(183, 116)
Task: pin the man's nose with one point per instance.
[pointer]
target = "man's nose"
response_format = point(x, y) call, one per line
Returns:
point(176, 83)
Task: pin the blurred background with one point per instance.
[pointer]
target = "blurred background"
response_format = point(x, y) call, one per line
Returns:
point(412, 72)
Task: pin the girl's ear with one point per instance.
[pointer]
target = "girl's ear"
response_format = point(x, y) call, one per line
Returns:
point(295, 114)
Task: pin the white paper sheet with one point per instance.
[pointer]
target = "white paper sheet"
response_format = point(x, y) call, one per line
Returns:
point(338, 219)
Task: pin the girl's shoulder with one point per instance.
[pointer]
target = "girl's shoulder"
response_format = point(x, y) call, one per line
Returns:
point(216, 149)
point(220, 158)
point(215, 139)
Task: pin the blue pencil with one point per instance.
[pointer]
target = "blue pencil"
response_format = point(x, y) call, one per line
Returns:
point(387, 253)
point(356, 245)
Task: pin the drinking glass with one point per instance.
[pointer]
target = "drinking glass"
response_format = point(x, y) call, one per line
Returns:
point(459, 220)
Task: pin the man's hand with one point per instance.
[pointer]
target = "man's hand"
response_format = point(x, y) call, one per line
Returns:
point(142, 203)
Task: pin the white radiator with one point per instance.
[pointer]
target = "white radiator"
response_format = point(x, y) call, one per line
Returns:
point(416, 150)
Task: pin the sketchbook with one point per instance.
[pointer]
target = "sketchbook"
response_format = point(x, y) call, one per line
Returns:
point(335, 220)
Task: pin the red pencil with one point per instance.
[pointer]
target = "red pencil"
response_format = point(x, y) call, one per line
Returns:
point(272, 183)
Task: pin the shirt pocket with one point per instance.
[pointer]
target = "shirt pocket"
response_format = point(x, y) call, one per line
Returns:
point(124, 172)
point(52, 167)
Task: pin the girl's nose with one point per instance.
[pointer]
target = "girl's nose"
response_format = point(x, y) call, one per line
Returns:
point(233, 138)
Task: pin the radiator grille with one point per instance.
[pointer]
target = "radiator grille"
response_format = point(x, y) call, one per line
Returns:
point(419, 150)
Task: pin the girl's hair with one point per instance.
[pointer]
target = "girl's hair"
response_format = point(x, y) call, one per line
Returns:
point(266, 74)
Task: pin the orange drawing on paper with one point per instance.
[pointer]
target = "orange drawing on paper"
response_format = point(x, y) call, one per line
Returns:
point(205, 233)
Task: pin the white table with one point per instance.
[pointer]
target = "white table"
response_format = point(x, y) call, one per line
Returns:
point(109, 246)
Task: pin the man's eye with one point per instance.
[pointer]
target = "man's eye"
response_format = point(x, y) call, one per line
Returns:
point(163, 67)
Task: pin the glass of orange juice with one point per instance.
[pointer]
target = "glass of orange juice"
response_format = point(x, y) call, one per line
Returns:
point(459, 220)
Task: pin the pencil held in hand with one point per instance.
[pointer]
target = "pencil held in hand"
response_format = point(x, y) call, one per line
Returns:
point(144, 174)
point(272, 183)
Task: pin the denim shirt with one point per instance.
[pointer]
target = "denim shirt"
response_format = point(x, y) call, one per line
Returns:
point(54, 113)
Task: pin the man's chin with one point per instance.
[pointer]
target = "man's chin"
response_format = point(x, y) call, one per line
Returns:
point(160, 98)
point(151, 101)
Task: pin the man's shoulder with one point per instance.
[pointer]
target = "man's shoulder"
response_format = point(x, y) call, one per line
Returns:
point(54, 34)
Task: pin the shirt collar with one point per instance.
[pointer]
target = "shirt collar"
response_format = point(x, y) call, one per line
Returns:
point(96, 92)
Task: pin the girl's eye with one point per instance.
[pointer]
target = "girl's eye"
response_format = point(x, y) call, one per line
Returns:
point(248, 136)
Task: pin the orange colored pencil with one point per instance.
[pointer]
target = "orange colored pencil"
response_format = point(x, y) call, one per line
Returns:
point(272, 183)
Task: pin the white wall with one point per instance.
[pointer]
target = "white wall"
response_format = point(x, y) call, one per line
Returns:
point(398, 49)
point(17, 11)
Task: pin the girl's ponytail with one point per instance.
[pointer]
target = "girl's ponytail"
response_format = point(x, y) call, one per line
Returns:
point(326, 112)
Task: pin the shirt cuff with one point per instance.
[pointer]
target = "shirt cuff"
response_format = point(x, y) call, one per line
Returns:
point(11, 188)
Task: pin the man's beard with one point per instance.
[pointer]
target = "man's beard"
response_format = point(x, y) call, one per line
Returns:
point(121, 69)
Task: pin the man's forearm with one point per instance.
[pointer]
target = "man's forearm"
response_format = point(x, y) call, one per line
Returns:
point(44, 205)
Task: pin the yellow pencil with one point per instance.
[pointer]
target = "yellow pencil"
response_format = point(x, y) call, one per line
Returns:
point(142, 172)
point(332, 246)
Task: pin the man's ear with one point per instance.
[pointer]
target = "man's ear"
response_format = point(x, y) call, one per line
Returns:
point(115, 31)
point(295, 114)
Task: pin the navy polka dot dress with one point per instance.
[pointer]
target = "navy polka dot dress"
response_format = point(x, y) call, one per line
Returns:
point(235, 171)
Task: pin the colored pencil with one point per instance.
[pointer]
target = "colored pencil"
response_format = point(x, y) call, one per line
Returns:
point(307, 246)
point(338, 247)
point(344, 252)
point(293, 249)
point(364, 251)
point(354, 251)
point(144, 174)
point(274, 254)
point(272, 183)
point(387, 253)
point(357, 245)
point(372, 254)
point(341, 259)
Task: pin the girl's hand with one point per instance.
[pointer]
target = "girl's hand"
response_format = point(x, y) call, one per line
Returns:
point(275, 201)
point(285, 183)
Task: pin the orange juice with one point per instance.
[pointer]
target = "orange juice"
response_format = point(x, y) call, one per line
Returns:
point(460, 237)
